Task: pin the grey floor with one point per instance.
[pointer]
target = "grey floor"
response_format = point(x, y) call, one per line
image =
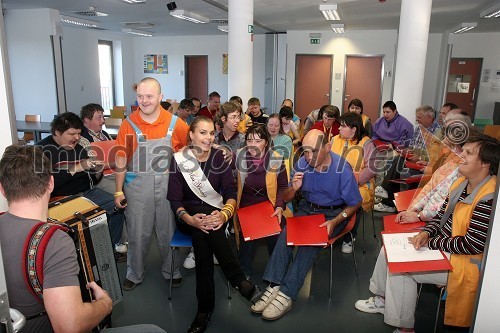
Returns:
point(313, 311)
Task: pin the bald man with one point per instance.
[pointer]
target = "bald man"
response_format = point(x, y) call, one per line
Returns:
point(328, 187)
point(149, 137)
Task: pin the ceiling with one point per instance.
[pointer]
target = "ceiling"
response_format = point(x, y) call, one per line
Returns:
point(269, 15)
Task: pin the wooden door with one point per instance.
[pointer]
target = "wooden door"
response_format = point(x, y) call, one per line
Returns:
point(363, 80)
point(313, 83)
point(196, 70)
point(463, 83)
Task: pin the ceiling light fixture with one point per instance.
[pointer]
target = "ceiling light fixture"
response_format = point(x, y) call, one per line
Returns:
point(492, 12)
point(78, 21)
point(132, 2)
point(137, 32)
point(330, 12)
point(338, 28)
point(223, 28)
point(463, 27)
point(189, 16)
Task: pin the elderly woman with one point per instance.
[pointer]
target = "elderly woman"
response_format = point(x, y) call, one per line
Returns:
point(202, 194)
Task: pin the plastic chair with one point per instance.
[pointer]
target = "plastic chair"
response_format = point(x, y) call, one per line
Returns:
point(30, 136)
point(481, 123)
point(332, 241)
point(403, 199)
point(117, 112)
point(113, 122)
point(492, 130)
point(180, 239)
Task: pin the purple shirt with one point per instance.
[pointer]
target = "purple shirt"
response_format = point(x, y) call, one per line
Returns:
point(399, 130)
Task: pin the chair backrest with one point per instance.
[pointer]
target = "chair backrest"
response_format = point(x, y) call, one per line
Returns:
point(346, 230)
point(33, 118)
point(117, 113)
point(493, 131)
point(103, 150)
point(113, 122)
point(481, 123)
point(120, 107)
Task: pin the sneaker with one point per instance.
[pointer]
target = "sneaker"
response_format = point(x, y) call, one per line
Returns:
point(176, 283)
point(120, 257)
point(189, 261)
point(121, 248)
point(267, 297)
point(374, 304)
point(216, 262)
point(377, 200)
point(380, 207)
point(346, 247)
point(128, 285)
point(278, 307)
point(381, 192)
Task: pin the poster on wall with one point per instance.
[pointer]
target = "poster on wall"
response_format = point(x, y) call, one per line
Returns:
point(224, 63)
point(155, 63)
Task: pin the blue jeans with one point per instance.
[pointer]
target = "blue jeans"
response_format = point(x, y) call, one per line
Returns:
point(106, 201)
point(291, 278)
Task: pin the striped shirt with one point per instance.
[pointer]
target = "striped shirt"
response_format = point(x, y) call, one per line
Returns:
point(474, 239)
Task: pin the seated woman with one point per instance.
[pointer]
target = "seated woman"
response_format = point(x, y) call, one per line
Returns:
point(281, 142)
point(200, 182)
point(329, 125)
point(313, 118)
point(289, 127)
point(356, 106)
point(355, 146)
point(262, 176)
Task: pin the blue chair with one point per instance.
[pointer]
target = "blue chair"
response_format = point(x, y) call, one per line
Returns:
point(180, 239)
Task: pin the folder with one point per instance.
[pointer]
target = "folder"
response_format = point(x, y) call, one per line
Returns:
point(390, 225)
point(306, 230)
point(415, 166)
point(256, 221)
point(102, 151)
point(403, 199)
point(419, 266)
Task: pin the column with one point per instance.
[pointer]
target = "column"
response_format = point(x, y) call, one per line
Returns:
point(411, 53)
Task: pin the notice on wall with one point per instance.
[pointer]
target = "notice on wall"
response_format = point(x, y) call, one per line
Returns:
point(155, 63)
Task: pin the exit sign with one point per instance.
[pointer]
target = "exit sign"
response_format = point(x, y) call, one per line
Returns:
point(315, 40)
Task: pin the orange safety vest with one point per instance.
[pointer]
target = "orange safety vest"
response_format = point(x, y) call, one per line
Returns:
point(464, 278)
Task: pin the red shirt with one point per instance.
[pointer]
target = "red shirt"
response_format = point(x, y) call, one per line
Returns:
point(331, 132)
point(204, 111)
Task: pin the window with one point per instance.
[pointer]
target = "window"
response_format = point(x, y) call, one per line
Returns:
point(105, 49)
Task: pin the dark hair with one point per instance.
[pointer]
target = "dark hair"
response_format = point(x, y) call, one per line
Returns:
point(452, 106)
point(489, 149)
point(286, 112)
point(224, 110)
point(331, 111)
point(213, 94)
point(24, 172)
point(195, 122)
point(87, 111)
point(391, 105)
point(354, 120)
point(277, 116)
point(186, 104)
point(356, 102)
point(287, 99)
point(253, 101)
point(261, 131)
point(64, 122)
point(321, 110)
point(195, 99)
point(166, 105)
point(236, 99)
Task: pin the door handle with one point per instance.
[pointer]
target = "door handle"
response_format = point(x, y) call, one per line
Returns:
point(345, 97)
point(473, 94)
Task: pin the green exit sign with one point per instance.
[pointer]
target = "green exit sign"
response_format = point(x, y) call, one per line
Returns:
point(315, 40)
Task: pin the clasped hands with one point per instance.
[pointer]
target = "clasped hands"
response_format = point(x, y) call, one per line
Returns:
point(207, 223)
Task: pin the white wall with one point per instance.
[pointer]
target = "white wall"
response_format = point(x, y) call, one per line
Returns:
point(431, 87)
point(486, 46)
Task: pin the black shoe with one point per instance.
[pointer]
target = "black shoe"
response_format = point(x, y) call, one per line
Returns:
point(200, 322)
point(176, 283)
point(128, 285)
point(120, 257)
point(250, 291)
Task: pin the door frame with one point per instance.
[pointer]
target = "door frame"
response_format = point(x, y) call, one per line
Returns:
point(382, 76)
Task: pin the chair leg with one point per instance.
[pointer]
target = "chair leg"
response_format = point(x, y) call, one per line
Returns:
point(331, 272)
point(419, 291)
point(228, 290)
point(441, 292)
point(353, 255)
point(373, 224)
point(171, 272)
point(364, 243)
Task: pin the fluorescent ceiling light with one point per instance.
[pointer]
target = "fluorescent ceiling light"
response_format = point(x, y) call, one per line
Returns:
point(134, 1)
point(188, 16)
point(223, 28)
point(78, 21)
point(329, 12)
point(492, 12)
point(338, 28)
point(138, 32)
point(463, 27)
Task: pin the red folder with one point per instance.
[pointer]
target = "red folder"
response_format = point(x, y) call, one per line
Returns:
point(102, 151)
point(390, 225)
point(306, 230)
point(256, 221)
point(403, 199)
point(415, 165)
point(382, 145)
point(412, 179)
point(419, 266)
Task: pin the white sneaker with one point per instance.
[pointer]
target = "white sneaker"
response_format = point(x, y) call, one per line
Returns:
point(377, 200)
point(216, 262)
point(278, 307)
point(374, 304)
point(267, 297)
point(380, 207)
point(121, 248)
point(346, 247)
point(381, 192)
point(189, 262)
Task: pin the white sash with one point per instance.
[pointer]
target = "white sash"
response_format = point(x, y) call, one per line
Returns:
point(196, 179)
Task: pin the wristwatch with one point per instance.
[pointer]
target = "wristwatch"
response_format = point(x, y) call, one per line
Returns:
point(344, 214)
point(418, 216)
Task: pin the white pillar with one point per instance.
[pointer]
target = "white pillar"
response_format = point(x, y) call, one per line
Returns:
point(240, 49)
point(412, 50)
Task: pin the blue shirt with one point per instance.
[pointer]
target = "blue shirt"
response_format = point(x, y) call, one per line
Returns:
point(334, 187)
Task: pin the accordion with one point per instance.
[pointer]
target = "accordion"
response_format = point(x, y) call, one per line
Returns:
point(89, 225)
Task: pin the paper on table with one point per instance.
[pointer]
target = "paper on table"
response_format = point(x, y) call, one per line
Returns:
point(399, 249)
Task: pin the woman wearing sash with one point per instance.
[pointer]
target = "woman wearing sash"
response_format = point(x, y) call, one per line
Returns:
point(262, 176)
point(353, 144)
point(199, 185)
